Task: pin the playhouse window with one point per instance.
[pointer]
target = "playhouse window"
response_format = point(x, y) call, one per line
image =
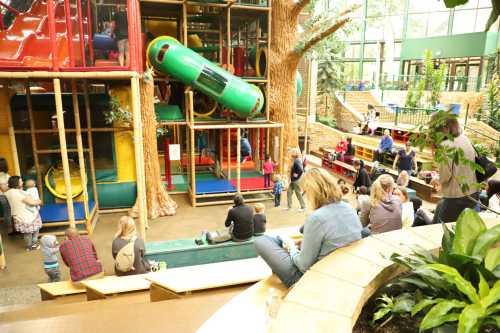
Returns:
point(212, 80)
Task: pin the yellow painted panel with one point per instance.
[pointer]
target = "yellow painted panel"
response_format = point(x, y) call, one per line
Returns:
point(5, 144)
point(124, 144)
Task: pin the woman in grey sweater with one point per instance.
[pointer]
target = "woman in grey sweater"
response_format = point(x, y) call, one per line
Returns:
point(331, 225)
point(127, 233)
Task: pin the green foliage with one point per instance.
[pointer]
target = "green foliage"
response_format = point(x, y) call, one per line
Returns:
point(454, 3)
point(459, 287)
point(328, 121)
point(493, 100)
point(330, 76)
point(116, 114)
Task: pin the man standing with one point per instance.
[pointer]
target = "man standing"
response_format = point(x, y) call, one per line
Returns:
point(452, 174)
point(120, 25)
point(294, 187)
point(79, 254)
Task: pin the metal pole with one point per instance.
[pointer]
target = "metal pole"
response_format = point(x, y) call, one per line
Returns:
point(52, 34)
point(69, 27)
point(81, 32)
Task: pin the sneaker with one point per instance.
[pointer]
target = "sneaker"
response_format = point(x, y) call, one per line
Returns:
point(300, 210)
point(35, 246)
point(286, 208)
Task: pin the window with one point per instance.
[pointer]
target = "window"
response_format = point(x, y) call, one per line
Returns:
point(352, 51)
point(416, 25)
point(369, 70)
point(423, 6)
point(482, 18)
point(438, 24)
point(212, 80)
point(463, 21)
point(372, 51)
point(374, 28)
point(395, 27)
point(470, 4)
point(351, 71)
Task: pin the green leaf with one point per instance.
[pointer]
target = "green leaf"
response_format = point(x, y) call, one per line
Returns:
point(451, 275)
point(485, 240)
point(423, 304)
point(381, 313)
point(494, 320)
point(416, 282)
point(469, 226)
point(493, 309)
point(484, 288)
point(492, 297)
point(438, 314)
point(432, 278)
point(404, 303)
point(470, 318)
point(454, 3)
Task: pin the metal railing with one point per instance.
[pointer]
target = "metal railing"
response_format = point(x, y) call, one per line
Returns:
point(451, 83)
point(400, 114)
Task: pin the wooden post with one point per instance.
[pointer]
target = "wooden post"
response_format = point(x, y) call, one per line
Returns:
point(193, 165)
point(228, 37)
point(139, 156)
point(238, 159)
point(33, 141)
point(13, 145)
point(184, 23)
point(90, 143)
point(64, 152)
point(79, 147)
point(221, 146)
point(228, 153)
point(257, 149)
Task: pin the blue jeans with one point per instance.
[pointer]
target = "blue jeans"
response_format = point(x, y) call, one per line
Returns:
point(269, 248)
point(277, 200)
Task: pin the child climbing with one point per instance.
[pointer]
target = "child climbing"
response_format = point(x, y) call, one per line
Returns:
point(259, 220)
point(277, 189)
point(245, 149)
point(268, 169)
point(50, 248)
point(120, 25)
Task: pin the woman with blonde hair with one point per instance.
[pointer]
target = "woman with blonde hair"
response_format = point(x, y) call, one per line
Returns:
point(127, 234)
point(384, 212)
point(332, 224)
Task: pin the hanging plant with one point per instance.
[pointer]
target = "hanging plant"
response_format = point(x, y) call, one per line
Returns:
point(116, 114)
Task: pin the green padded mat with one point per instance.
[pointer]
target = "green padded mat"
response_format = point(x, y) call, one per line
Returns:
point(185, 252)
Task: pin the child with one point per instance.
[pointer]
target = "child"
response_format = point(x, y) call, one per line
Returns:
point(50, 247)
point(268, 168)
point(32, 191)
point(277, 189)
point(259, 220)
point(363, 198)
point(407, 211)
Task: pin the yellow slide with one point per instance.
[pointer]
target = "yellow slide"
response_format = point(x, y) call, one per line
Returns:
point(54, 181)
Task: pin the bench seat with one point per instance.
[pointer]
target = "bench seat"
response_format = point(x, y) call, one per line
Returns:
point(113, 285)
point(53, 290)
point(175, 282)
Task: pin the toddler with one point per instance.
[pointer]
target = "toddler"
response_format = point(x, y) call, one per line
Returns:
point(363, 198)
point(50, 247)
point(259, 220)
point(277, 189)
point(268, 168)
point(32, 191)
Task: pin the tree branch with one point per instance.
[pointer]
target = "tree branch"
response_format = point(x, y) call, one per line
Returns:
point(315, 40)
point(299, 6)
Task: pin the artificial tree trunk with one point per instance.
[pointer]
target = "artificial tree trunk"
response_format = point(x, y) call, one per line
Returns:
point(284, 58)
point(158, 201)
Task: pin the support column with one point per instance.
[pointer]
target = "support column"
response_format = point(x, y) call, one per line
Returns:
point(79, 147)
point(238, 159)
point(90, 143)
point(64, 152)
point(139, 156)
point(33, 141)
point(228, 153)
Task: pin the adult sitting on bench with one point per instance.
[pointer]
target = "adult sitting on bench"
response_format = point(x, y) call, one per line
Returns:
point(239, 223)
point(79, 254)
point(332, 224)
point(4, 187)
point(384, 147)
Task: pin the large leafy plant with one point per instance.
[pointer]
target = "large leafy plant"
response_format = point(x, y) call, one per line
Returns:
point(457, 286)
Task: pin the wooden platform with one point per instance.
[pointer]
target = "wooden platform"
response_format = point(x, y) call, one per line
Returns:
point(175, 282)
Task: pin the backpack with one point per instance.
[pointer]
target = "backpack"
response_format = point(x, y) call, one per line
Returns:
point(124, 261)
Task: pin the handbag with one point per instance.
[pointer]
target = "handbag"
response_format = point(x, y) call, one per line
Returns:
point(489, 167)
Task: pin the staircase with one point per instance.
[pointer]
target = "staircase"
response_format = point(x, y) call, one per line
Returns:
point(359, 100)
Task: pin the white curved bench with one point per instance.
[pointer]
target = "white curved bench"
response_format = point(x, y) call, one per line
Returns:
point(332, 293)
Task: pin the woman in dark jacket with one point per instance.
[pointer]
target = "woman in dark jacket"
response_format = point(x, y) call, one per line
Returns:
point(362, 176)
point(127, 233)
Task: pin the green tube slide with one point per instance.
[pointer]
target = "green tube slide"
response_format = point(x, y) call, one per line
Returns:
point(169, 56)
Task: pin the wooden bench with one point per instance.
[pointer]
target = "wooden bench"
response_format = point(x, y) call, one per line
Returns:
point(114, 285)
point(53, 290)
point(176, 282)
point(344, 169)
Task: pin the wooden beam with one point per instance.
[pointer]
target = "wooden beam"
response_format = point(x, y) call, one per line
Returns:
point(68, 75)
point(81, 158)
point(228, 153)
point(192, 164)
point(139, 155)
point(33, 140)
point(64, 152)
point(238, 159)
point(282, 151)
point(12, 141)
point(236, 125)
